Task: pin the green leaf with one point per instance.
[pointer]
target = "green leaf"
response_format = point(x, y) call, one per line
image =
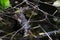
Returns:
point(4, 4)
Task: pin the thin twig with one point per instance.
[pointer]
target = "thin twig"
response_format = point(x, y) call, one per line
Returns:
point(16, 33)
point(7, 35)
point(46, 33)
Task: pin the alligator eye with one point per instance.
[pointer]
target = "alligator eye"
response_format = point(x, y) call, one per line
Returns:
point(15, 2)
